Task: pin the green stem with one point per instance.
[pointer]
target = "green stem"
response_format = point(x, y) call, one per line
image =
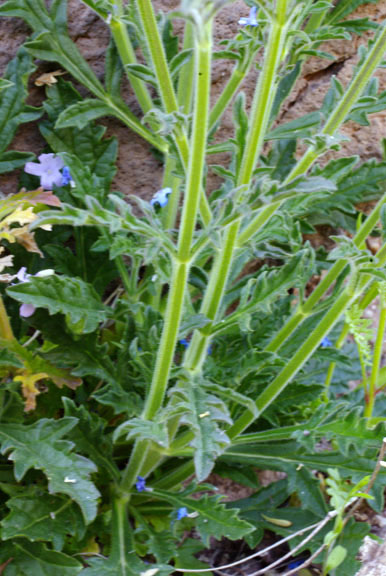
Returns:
point(378, 348)
point(343, 108)
point(121, 540)
point(295, 363)
point(5, 326)
point(127, 56)
point(122, 269)
point(240, 71)
point(264, 94)
point(305, 309)
point(181, 263)
point(338, 116)
point(261, 110)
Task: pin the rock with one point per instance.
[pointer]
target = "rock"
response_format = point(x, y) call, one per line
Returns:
point(139, 172)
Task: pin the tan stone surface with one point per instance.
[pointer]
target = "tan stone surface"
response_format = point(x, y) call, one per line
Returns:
point(138, 171)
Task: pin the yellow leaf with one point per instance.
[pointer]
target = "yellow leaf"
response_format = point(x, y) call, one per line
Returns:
point(277, 521)
point(29, 389)
point(49, 78)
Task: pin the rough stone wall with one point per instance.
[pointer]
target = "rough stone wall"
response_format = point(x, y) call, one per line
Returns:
point(139, 172)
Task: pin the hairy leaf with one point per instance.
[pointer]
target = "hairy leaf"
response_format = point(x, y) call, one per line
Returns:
point(82, 113)
point(34, 558)
point(40, 446)
point(72, 297)
point(36, 515)
point(214, 518)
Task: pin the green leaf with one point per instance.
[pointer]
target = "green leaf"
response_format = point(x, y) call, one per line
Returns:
point(335, 558)
point(101, 7)
point(13, 159)
point(36, 515)
point(40, 446)
point(35, 559)
point(298, 128)
point(13, 109)
point(279, 457)
point(133, 567)
point(352, 539)
point(307, 487)
point(82, 113)
point(9, 358)
point(214, 518)
point(72, 297)
point(143, 429)
point(200, 412)
point(90, 438)
point(142, 72)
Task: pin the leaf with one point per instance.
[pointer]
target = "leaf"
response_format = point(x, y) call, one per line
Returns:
point(335, 558)
point(82, 113)
point(13, 159)
point(9, 359)
point(90, 438)
point(279, 457)
point(213, 519)
point(72, 297)
point(36, 515)
point(13, 109)
point(40, 446)
point(142, 72)
point(35, 559)
point(132, 567)
point(298, 128)
point(143, 429)
point(307, 488)
point(200, 411)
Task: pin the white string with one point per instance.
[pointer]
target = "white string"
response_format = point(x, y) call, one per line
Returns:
point(262, 552)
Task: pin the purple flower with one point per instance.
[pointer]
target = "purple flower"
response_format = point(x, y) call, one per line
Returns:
point(141, 484)
point(250, 20)
point(161, 197)
point(66, 176)
point(26, 310)
point(326, 343)
point(48, 170)
point(182, 513)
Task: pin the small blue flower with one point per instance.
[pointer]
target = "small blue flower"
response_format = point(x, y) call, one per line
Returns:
point(251, 20)
point(326, 343)
point(209, 350)
point(66, 176)
point(182, 513)
point(184, 342)
point(295, 564)
point(141, 484)
point(161, 197)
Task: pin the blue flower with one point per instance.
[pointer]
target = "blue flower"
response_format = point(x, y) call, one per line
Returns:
point(141, 484)
point(182, 513)
point(48, 170)
point(161, 197)
point(295, 564)
point(184, 342)
point(251, 20)
point(66, 176)
point(326, 343)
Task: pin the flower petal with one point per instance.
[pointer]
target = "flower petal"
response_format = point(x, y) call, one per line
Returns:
point(26, 310)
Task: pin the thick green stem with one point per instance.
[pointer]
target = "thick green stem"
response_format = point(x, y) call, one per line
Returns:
point(261, 112)
point(240, 71)
point(181, 263)
point(166, 88)
point(5, 325)
point(344, 106)
point(127, 55)
point(305, 309)
point(295, 363)
point(121, 542)
point(378, 349)
point(264, 94)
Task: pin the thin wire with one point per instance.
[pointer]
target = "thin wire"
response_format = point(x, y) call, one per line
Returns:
point(260, 552)
point(305, 563)
point(292, 552)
